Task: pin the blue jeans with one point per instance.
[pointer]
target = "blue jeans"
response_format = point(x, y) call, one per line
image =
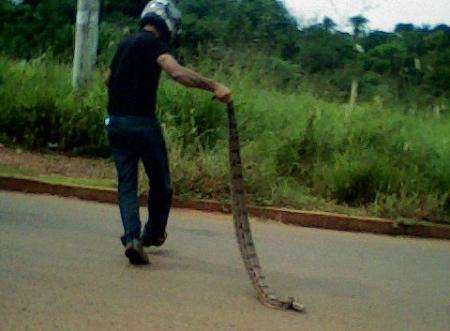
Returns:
point(133, 138)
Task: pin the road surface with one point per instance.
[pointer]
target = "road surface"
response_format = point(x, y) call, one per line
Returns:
point(62, 267)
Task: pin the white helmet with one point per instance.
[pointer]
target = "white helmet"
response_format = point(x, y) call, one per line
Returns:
point(163, 11)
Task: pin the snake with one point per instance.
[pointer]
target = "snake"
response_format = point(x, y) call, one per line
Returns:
point(242, 225)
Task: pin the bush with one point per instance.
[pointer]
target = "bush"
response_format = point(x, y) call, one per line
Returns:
point(39, 107)
point(298, 150)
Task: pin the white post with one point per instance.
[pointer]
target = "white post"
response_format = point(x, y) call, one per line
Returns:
point(354, 93)
point(86, 42)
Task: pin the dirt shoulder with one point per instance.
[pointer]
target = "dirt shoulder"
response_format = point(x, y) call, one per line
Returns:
point(57, 164)
point(53, 166)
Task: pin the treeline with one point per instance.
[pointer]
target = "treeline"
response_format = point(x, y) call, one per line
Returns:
point(409, 64)
point(300, 150)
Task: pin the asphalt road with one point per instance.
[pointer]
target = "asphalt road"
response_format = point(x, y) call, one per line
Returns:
point(62, 267)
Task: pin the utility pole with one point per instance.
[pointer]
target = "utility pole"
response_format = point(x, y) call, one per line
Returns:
point(86, 42)
point(354, 93)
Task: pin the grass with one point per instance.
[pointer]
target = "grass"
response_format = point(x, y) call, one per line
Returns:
point(89, 182)
point(9, 171)
point(299, 151)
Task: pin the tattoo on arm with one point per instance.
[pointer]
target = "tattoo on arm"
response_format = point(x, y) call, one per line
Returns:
point(192, 79)
point(185, 76)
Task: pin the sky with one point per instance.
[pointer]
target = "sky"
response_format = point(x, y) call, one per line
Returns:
point(383, 14)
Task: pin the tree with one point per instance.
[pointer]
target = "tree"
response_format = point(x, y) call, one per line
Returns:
point(376, 38)
point(328, 24)
point(359, 24)
point(402, 28)
point(128, 8)
point(35, 27)
point(322, 50)
point(388, 58)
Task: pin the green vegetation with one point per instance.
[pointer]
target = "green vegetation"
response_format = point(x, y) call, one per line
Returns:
point(407, 68)
point(299, 151)
point(52, 179)
point(303, 146)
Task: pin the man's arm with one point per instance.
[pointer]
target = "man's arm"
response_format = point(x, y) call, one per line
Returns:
point(107, 79)
point(190, 78)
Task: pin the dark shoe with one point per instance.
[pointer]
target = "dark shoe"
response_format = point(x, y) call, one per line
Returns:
point(148, 241)
point(135, 253)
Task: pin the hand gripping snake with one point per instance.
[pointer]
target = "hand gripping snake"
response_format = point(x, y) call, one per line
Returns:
point(242, 225)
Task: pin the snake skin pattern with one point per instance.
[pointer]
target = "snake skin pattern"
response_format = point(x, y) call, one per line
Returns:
point(242, 225)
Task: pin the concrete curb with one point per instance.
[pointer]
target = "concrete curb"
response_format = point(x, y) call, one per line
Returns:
point(301, 218)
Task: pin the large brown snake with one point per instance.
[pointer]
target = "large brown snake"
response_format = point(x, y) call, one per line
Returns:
point(242, 225)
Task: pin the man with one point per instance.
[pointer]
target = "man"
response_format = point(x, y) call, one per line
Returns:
point(133, 129)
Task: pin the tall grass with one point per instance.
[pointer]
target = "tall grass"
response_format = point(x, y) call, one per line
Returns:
point(298, 150)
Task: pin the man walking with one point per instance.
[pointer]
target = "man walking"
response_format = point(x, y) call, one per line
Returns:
point(133, 129)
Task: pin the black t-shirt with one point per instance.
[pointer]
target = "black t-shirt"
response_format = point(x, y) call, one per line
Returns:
point(135, 75)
